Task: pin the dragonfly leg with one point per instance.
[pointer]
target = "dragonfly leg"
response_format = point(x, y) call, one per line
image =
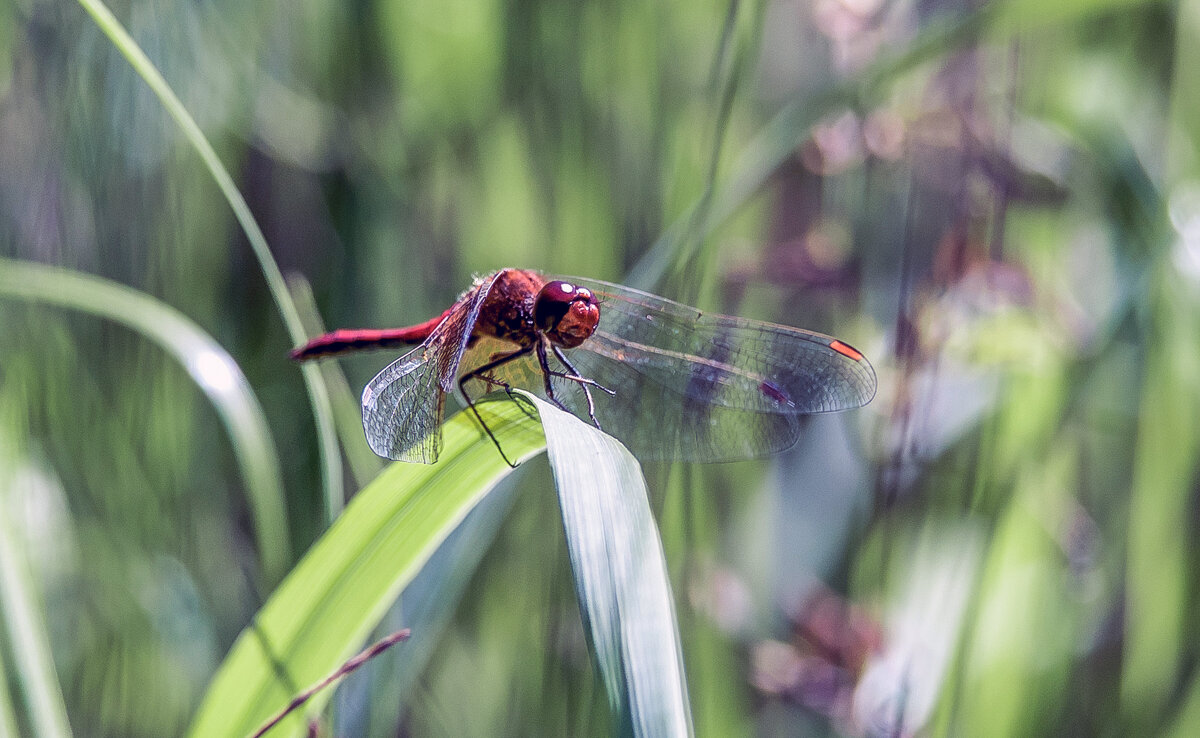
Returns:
point(480, 373)
point(547, 372)
point(492, 382)
point(584, 382)
point(575, 376)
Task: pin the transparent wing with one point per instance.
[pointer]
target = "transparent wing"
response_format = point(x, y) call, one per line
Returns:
point(403, 404)
point(695, 386)
point(655, 421)
point(521, 373)
point(402, 409)
point(449, 340)
point(731, 362)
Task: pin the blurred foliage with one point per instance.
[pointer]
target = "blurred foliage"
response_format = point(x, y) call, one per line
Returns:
point(999, 203)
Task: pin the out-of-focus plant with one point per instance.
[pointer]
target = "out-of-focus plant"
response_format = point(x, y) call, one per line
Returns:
point(995, 202)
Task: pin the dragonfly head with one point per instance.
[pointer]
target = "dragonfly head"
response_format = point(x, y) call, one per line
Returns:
point(567, 314)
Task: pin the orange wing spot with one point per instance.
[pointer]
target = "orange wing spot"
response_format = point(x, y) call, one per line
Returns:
point(846, 350)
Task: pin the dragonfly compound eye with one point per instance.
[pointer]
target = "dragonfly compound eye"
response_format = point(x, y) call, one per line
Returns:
point(566, 313)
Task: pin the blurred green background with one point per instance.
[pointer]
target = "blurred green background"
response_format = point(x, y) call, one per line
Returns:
point(999, 203)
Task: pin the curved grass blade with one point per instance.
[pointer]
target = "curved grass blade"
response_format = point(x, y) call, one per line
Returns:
point(321, 614)
point(210, 366)
point(331, 460)
point(8, 719)
point(620, 575)
point(347, 407)
point(23, 616)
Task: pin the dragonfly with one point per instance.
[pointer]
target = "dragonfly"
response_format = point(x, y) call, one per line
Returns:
point(669, 381)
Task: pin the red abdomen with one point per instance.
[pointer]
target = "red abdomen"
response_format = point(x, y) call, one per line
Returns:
point(346, 340)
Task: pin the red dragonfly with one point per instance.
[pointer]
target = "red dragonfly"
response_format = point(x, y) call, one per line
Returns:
point(672, 382)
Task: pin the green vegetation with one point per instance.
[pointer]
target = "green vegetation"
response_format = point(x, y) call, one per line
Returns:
point(998, 203)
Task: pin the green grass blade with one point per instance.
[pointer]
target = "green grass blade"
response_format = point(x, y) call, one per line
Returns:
point(336, 595)
point(326, 608)
point(331, 460)
point(210, 366)
point(8, 717)
point(1161, 501)
point(364, 465)
point(620, 575)
point(22, 611)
